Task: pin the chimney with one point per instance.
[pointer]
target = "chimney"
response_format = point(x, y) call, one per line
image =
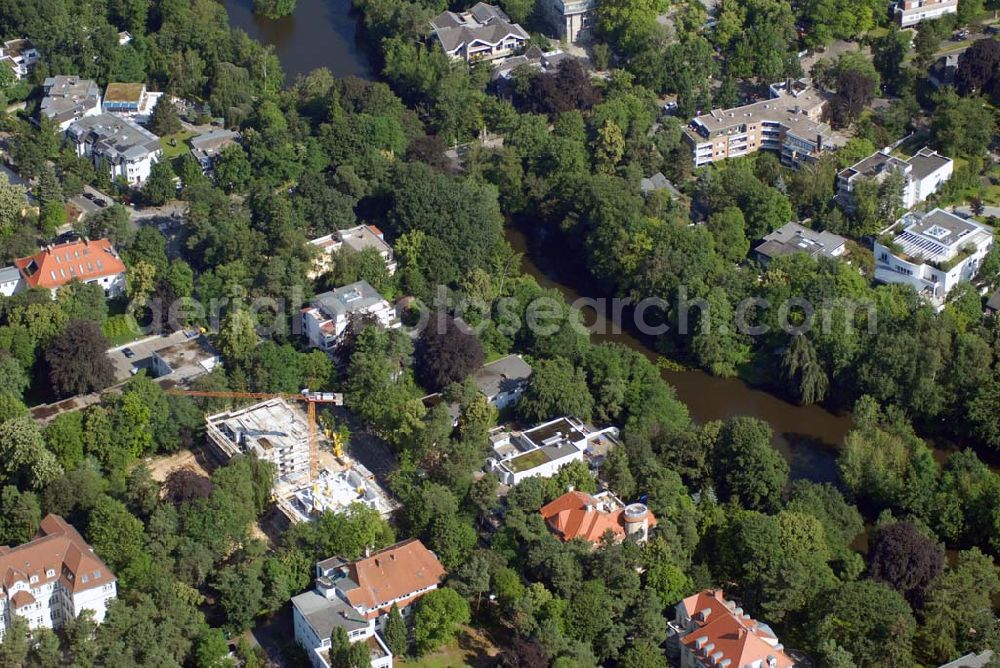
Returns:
point(703, 614)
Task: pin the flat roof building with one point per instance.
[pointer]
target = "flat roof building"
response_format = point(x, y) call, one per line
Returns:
point(789, 123)
point(795, 238)
point(325, 320)
point(358, 238)
point(932, 252)
point(335, 492)
point(20, 55)
point(909, 13)
point(273, 430)
point(572, 19)
point(185, 361)
point(542, 450)
point(923, 175)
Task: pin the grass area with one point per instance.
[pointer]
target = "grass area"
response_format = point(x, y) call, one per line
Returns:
point(179, 147)
point(472, 649)
point(528, 461)
point(121, 329)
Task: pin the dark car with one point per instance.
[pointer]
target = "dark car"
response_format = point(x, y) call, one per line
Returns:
point(962, 34)
point(101, 202)
point(89, 196)
point(128, 352)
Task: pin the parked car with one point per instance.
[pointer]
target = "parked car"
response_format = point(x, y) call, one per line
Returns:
point(128, 352)
point(89, 196)
point(962, 34)
point(101, 202)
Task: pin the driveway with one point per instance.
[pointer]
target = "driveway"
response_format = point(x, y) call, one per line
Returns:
point(988, 211)
point(142, 350)
point(88, 200)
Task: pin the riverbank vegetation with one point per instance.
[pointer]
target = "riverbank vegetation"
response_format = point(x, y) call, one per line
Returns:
point(324, 154)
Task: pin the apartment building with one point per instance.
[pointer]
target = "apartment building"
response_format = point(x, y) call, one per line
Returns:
point(326, 319)
point(789, 123)
point(923, 175)
point(20, 55)
point(359, 238)
point(68, 99)
point(712, 632)
point(932, 252)
point(53, 578)
point(578, 514)
point(484, 32)
point(87, 261)
point(272, 430)
point(909, 13)
point(116, 144)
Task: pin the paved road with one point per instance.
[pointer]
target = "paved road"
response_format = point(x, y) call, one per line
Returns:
point(987, 211)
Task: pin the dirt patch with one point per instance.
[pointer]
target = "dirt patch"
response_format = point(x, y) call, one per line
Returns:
point(196, 459)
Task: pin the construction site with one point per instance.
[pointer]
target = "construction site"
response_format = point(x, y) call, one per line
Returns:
point(313, 471)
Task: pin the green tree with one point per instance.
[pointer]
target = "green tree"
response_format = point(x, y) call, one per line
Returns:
point(13, 380)
point(274, 9)
point(747, 467)
point(238, 337)
point(883, 614)
point(643, 654)
point(439, 615)
point(609, 147)
point(24, 461)
point(20, 516)
point(211, 650)
point(74, 366)
point(629, 22)
point(115, 533)
point(160, 187)
point(344, 654)
point(395, 632)
point(729, 229)
point(802, 370)
point(164, 119)
point(556, 388)
point(15, 646)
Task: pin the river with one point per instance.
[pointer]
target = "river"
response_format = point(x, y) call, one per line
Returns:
point(321, 33)
point(807, 436)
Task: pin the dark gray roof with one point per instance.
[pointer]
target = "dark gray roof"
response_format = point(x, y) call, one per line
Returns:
point(68, 97)
point(325, 614)
point(114, 138)
point(993, 303)
point(484, 23)
point(795, 238)
point(348, 299)
point(926, 162)
point(210, 144)
point(502, 375)
point(658, 182)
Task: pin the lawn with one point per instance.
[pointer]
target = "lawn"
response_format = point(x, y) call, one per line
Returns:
point(472, 649)
point(175, 145)
point(528, 461)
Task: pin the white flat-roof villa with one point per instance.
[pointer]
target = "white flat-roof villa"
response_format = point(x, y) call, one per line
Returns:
point(542, 450)
point(933, 252)
point(923, 175)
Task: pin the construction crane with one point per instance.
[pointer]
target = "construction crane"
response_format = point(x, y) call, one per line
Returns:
point(311, 399)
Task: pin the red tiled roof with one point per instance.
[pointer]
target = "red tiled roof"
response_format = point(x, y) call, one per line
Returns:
point(22, 598)
point(726, 635)
point(59, 548)
point(392, 573)
point(579, 515)
point(84, 260)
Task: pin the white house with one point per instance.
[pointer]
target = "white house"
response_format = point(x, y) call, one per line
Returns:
point(124, 148)
point(911, 12)
point(326, 318)
point(484, 32)
point(357, 238)
point(87, 261)
point(20, 55)
point(53, 579)
point(542, 450)
point(572, 19)
point(11, 281)
point(68, 99)
point(923, 175)
point(933, 252)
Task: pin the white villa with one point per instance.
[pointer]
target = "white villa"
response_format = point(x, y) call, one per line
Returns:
point(357, 238)
point(923, 175)
point(911, 12)
point(357, 596)
point(326, 318)
point(541, 451)
point(933, 252)
point(53, 579)
point(572, 19)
